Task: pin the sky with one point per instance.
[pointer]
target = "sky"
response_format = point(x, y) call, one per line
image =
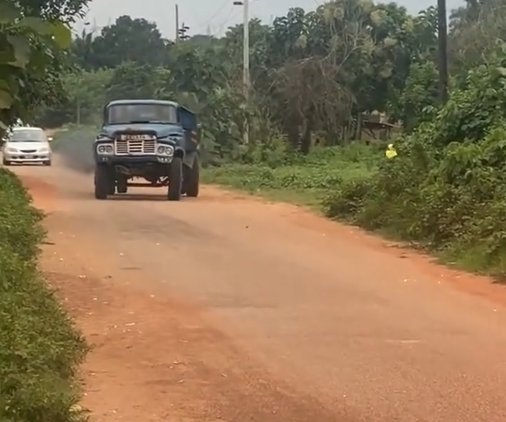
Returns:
point(208, 16)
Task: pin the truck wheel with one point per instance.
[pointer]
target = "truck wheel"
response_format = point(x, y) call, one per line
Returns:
point(192, 179)
point(175, 179)
point(103, 182)
point(121, 185)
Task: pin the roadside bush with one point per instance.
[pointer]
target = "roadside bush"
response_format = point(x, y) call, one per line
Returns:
point(323, 170)
point(40, 348)
point(252, 177)
point(451, 201)
point(446, 190)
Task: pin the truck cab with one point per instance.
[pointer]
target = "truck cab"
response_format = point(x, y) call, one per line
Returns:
point(154, 140)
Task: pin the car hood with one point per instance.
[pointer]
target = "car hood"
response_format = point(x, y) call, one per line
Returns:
point(26, 145)
point(161, 130)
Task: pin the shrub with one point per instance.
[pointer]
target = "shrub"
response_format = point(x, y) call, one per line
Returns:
point(41, 349)
point(451, 200)
point(323, 170)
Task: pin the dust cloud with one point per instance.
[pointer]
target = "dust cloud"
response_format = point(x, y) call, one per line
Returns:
point(75, 147)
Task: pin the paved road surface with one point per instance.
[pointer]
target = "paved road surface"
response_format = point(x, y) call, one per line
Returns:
point(229, 309)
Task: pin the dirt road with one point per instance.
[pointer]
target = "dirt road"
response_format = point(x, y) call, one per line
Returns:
point(228, 309)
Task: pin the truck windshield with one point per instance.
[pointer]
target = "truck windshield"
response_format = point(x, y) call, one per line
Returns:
point(141, 113)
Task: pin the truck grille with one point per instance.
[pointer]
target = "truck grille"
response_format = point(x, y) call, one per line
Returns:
point(135, 147)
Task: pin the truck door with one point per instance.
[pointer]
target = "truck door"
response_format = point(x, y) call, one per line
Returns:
point(189, 123)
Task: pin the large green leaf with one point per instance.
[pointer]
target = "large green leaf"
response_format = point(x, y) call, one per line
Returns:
point(35, 24)
point(6, 54)
point(61, 35)
point(6, 50)
point(22, 49)
point(4, 85)
point(8, 12)
point(6, 100)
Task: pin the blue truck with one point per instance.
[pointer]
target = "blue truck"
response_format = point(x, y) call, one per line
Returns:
point(154, 140)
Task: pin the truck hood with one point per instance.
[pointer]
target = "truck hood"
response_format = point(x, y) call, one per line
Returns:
point(161, 130)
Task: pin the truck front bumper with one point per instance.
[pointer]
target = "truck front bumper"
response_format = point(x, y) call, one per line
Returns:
point(129, 159)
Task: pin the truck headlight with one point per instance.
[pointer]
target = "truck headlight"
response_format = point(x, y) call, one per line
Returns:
point(166, 150)
point(105, 149)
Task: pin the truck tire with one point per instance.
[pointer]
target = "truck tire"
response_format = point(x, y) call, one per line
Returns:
point(192, 179)
point(122, 185)
point(103, 182)
point(175, 179)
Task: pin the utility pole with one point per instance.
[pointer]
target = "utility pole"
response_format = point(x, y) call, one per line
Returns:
point(183, 32)
point(442, 51)
point(177, 23)
point(245, 48)
point(245, 58)
point(78, 112)
point(180, 30)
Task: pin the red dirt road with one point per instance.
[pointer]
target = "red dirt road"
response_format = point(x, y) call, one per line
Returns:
point(229, 309)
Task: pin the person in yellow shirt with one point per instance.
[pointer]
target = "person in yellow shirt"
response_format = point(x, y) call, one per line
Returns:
point(391, 152)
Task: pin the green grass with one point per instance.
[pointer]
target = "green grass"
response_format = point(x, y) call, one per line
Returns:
point(301, 180)
point(40, 349)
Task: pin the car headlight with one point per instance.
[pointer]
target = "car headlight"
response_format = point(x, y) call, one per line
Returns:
point(44, 150)
point(12, 150)
point(105, 149)
point(167, 150)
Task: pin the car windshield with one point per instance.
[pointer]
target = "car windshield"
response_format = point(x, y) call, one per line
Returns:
point(141, 113)
point(28, 135)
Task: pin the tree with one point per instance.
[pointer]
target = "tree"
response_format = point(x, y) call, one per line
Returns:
point(131, 80)
point(64, 11)
point(420, 91)
point(82, 51)
point(314, 74)
point(474, 32)
point(30, 56)
point(135, 40)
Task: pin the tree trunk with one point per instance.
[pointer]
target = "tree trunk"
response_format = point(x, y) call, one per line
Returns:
point(358, 133)
point(305, 146)
point(292, 132)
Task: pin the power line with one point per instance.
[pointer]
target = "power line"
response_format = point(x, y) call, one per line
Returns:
point(204, 25)
point(227, 2)
point(225, 22)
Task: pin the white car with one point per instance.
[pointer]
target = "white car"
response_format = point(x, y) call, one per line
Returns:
point(27, 145)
